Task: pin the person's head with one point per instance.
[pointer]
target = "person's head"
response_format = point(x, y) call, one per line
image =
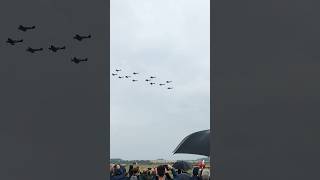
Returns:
point(118, 172)
point(179, 171)
point(130, 170)
point(154, 172)
point(161, 170)
point(205, 174)
point(135, 170)
point(111, 170)
point(195, 171)
point(111, 167)
point(123, 169)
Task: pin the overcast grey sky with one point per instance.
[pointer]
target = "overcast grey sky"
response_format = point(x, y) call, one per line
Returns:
point(169, 39)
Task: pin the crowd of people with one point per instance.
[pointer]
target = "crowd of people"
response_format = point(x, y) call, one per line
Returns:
point(161, 172)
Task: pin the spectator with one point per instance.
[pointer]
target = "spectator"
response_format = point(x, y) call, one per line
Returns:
point(205, 174)
point(145, 175)
point(130, 170)
point(135, 173)
point(195, 174)
point(118, 174)
point(111, 169)
point(182, 176)
point(162, 172)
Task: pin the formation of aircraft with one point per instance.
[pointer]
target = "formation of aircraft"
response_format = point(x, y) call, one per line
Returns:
point(52, 48)
point(150, 79)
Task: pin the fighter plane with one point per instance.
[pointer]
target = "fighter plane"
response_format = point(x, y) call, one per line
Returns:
point(147, 80)
point(135, 73)
point(170, 88)
point(134, 80)
point(114, 74)
point(168, 81)
point(161, 84)
point(118, 70)
point(78, 60)
point(127, 76)
point(79, 38)
point(13, 42)
point(25, 28)
point(34, 50)
point(152, 83)
point(120, 77)
point(152, 77)
point(55, 49)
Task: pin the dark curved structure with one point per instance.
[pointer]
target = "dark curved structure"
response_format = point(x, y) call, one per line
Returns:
point(195, 143)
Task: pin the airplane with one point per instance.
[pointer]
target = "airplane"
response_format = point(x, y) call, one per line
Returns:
point(134, 80)
point(118, 70)
point(161, 84)
point(127, 76)
point(25, 28)
point(170, 88)
point(55, 49)
point(77, 60)
point(152, 77)
point(135, 73)
point(147, 80)
point(169, 81)
point(120, 77)
point(13, 42)
point(152, 83)
point(34, 50)
point(79, 38)
point(114, 74)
